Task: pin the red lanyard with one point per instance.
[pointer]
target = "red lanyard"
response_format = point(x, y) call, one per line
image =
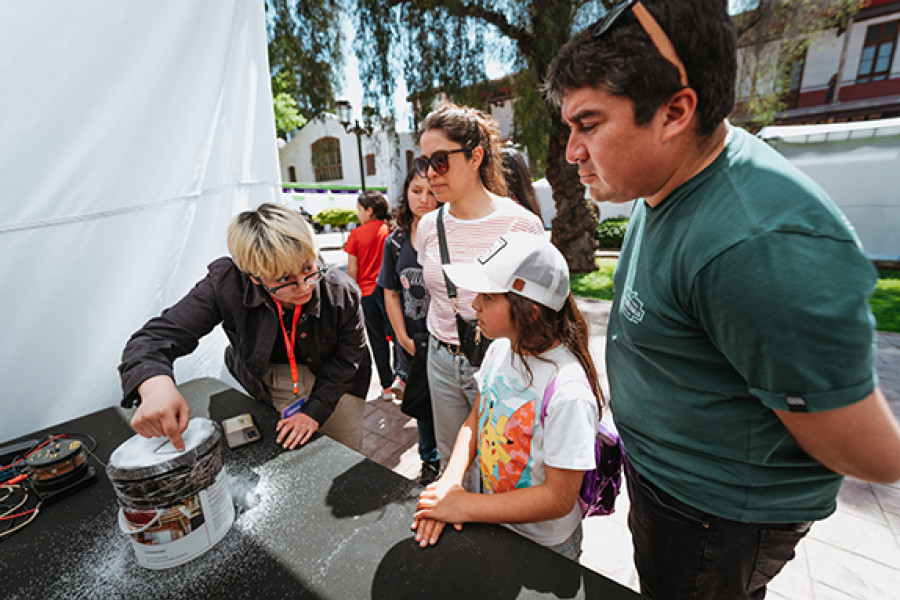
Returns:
point(289, 342)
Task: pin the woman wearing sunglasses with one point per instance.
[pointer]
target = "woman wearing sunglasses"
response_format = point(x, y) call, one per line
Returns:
point(295, 327)
point(462, 161)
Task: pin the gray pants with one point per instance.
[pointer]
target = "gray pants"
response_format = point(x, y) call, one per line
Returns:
point(451, 381)
point(345, 425)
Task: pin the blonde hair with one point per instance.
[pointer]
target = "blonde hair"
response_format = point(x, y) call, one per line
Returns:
point(271, 241)
point(469, 128)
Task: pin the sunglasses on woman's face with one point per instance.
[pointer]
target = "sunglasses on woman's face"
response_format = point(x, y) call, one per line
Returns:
point(439, 161)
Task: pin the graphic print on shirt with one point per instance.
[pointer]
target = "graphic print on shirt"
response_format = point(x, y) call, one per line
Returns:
point(505, 431)
point(632, 306)
point(415, 294)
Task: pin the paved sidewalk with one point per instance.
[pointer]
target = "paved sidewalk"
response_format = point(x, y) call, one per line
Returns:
point(855, 553)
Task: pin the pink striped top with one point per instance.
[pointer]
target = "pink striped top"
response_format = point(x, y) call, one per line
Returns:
point(466, 240)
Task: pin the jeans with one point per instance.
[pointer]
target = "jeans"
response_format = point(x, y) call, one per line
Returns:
point(451, 381)
point(683, 553)
point(378, 328)
point(428, 450)
point(571, 546)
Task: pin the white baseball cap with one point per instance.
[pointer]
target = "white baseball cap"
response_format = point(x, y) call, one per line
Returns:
point(518, 262)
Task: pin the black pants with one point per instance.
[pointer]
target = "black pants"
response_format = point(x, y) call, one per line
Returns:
point(378, 328)
point(683, 553)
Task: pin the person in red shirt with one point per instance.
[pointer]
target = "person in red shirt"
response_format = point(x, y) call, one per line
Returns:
point(365, 250)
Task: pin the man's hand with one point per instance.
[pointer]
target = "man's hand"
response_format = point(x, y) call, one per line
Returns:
point(163, 411)
point(296, 429)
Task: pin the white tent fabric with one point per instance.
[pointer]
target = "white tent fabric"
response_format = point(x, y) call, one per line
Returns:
point(131, 133)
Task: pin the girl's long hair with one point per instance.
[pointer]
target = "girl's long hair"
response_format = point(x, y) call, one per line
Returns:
point(537, 335)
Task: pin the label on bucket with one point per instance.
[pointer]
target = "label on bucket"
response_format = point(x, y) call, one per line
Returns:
point(164, 538)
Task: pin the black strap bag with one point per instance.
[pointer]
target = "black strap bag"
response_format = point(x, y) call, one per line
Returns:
point(416, 397)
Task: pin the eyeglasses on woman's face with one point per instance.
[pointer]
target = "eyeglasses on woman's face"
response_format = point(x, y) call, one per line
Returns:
point(292, 281)
point(439, 161)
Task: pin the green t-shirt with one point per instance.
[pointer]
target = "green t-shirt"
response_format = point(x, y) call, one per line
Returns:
point(745, 290)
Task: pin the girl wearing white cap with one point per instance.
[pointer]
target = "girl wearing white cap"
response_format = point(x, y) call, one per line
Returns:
point(533, 426)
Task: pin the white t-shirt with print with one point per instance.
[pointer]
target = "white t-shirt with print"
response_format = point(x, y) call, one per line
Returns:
point(513, 446)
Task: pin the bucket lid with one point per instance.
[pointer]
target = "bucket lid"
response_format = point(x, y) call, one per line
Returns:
point(139, 457)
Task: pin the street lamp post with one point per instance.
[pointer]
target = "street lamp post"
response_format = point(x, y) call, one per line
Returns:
point(344, 112)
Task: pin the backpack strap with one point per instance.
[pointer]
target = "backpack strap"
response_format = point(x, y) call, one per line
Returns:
point(397, 238)
point(551, 389)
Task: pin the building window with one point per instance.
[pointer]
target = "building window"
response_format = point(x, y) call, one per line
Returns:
point(793, 77)
point(292, 174)
point(878, 52)
point(370, 164)
point(410, 157)
point(326, 159)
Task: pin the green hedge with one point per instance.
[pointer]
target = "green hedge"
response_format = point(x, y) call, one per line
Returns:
point(336, 217)
point(611, 232)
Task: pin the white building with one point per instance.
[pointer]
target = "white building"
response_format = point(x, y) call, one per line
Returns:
point(320, 164)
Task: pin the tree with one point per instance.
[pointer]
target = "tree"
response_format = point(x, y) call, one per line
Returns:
point(287, 117)
point(773, 36)
point(305, 51)
point(441, 46)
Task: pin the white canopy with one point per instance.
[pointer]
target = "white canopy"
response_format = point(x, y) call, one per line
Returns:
point(131, 132)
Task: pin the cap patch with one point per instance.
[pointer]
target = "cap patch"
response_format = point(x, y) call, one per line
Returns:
point(518, 284)
point(488, 254)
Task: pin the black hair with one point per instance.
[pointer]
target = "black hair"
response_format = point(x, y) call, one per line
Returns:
point(375, 200)
point(518, 180)
point(403, 214)
point(623, 61)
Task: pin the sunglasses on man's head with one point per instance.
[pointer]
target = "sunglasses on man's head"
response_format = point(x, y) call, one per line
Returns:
point(439, 161)
point(650, 26)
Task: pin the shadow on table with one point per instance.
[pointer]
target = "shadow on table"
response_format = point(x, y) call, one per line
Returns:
point(462, 565)
point(366, 487)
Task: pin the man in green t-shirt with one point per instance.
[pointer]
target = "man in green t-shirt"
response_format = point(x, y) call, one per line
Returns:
point(740, 346)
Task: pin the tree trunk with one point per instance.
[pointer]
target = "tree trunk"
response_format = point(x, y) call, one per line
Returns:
point(575, 224)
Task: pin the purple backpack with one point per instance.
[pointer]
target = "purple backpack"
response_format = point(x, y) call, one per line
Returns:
point(601, 484)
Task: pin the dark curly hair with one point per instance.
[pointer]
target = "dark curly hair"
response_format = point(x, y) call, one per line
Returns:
point(623, 61)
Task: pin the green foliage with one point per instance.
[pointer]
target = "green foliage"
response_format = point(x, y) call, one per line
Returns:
point(885, 302)
point(287, 117)
point(336, 217)
point(773, 37)
point(305, 41)
point(598, 284)
point(441, 45)
point(611, 232)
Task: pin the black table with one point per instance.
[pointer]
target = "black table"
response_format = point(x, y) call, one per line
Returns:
point(321, 521)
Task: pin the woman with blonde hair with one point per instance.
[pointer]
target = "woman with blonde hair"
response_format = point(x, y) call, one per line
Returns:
point(462, 161)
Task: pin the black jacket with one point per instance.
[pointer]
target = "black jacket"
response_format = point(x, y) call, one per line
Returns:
point(331, 338)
